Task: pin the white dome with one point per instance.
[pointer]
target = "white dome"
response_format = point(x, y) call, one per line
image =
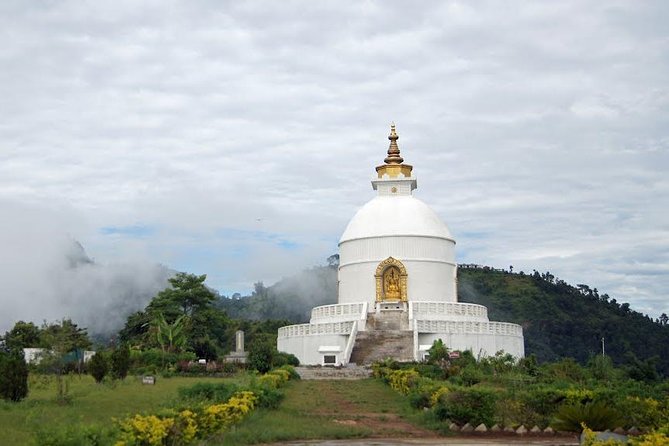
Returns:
point(395, 215)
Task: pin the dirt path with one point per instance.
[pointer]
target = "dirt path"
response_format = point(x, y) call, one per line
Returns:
point(370, 405)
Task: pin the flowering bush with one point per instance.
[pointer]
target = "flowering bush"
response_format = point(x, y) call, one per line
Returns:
point(403, 380)
point(144, 431)
point(283, 374)
point(170, 427)
point(218, 417)
point(186, 426)
point(271, 381)
point(436, 396)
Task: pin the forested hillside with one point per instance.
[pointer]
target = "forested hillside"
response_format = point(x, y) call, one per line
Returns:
point(559, 320)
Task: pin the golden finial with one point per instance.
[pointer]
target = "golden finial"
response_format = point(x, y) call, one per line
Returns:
point(393, 151)
point(394, 164)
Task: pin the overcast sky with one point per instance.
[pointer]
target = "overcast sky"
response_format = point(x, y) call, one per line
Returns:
point(237, 139)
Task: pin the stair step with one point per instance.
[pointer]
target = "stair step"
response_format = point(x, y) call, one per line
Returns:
point(377, 345)
point(351, 372)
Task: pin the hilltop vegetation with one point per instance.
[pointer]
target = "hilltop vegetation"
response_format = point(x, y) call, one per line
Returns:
point(561, 320)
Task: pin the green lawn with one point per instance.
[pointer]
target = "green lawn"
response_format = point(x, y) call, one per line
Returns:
point(91, 403)
point(328, 409)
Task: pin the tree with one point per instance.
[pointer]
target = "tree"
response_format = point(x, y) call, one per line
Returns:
point(170, 336)
point(23, 335)
point(13, 375)
point(63, 341)
point(261, 354)
point(438, 353)
point(664, 319)
point(98, 367)
point(120, 361)
point(187, 295)
point(64, 337)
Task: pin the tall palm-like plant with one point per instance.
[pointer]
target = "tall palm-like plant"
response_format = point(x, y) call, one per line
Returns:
point(170, 336)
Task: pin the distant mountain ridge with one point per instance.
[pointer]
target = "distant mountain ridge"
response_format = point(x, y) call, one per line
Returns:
point(559, 319)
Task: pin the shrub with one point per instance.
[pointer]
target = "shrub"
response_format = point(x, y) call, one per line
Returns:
point(284, 375)
point(282, 358)
point(469, 375)
point(261, 355)
point(144, 430)
point(469, 405)
point(597, 416)
point(75, 435)
point(438, 353)
point(13, 376)
point(268, 398)
point(270, 380)
point(98, 367)
point(291, 371)
point(645, 413)
point(659, 437)
point(218, 417)
point(430, 371)
point(543, 401)
point(155, 359)
point(421, 392)
point(120, 362)
point(403, 380)
point(208, 391)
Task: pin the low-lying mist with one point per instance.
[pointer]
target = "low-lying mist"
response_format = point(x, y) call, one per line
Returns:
point(45, 275)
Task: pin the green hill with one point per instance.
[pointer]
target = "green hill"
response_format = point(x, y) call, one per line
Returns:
point(559, 320)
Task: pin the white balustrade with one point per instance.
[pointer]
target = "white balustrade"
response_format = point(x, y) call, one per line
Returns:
point(467, 327)
point(290, 331)
point(338, 311)
point(448, 309)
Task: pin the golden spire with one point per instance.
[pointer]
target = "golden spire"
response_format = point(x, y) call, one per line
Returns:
point(393, 151)
point(394, 163)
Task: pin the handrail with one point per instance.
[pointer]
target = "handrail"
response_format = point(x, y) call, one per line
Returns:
point(497, 328)
point(290, 331)
point(459, 309)
point(350, 343)
point(415, 341)
point(346, 311)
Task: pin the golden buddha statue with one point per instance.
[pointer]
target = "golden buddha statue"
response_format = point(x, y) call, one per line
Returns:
point(391, 284)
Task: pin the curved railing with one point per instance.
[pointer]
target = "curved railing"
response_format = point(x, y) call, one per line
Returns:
point(437, 310)
point(290, 331)
point(338, 311)
point(467, 327)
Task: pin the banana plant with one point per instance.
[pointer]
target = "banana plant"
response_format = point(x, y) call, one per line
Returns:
point(171, 337)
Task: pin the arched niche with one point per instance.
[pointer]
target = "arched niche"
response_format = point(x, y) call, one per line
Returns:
point(391, 281)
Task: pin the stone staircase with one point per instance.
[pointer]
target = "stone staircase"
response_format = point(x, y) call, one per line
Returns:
point(377, 345)
point(350, 371)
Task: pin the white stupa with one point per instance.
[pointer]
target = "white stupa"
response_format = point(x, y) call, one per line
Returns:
point(397, 286)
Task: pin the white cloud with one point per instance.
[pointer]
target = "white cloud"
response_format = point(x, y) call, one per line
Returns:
point(541, 126)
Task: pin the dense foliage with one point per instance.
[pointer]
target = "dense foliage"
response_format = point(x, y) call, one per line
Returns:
point(98, 367)
point(120, 361)
point(560, 320)
point(13, 375)
point(499, 390)
point(186, 319)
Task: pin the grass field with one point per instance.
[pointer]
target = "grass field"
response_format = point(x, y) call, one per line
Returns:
point(310, 410)
point(332, 410)
point(91, 403)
